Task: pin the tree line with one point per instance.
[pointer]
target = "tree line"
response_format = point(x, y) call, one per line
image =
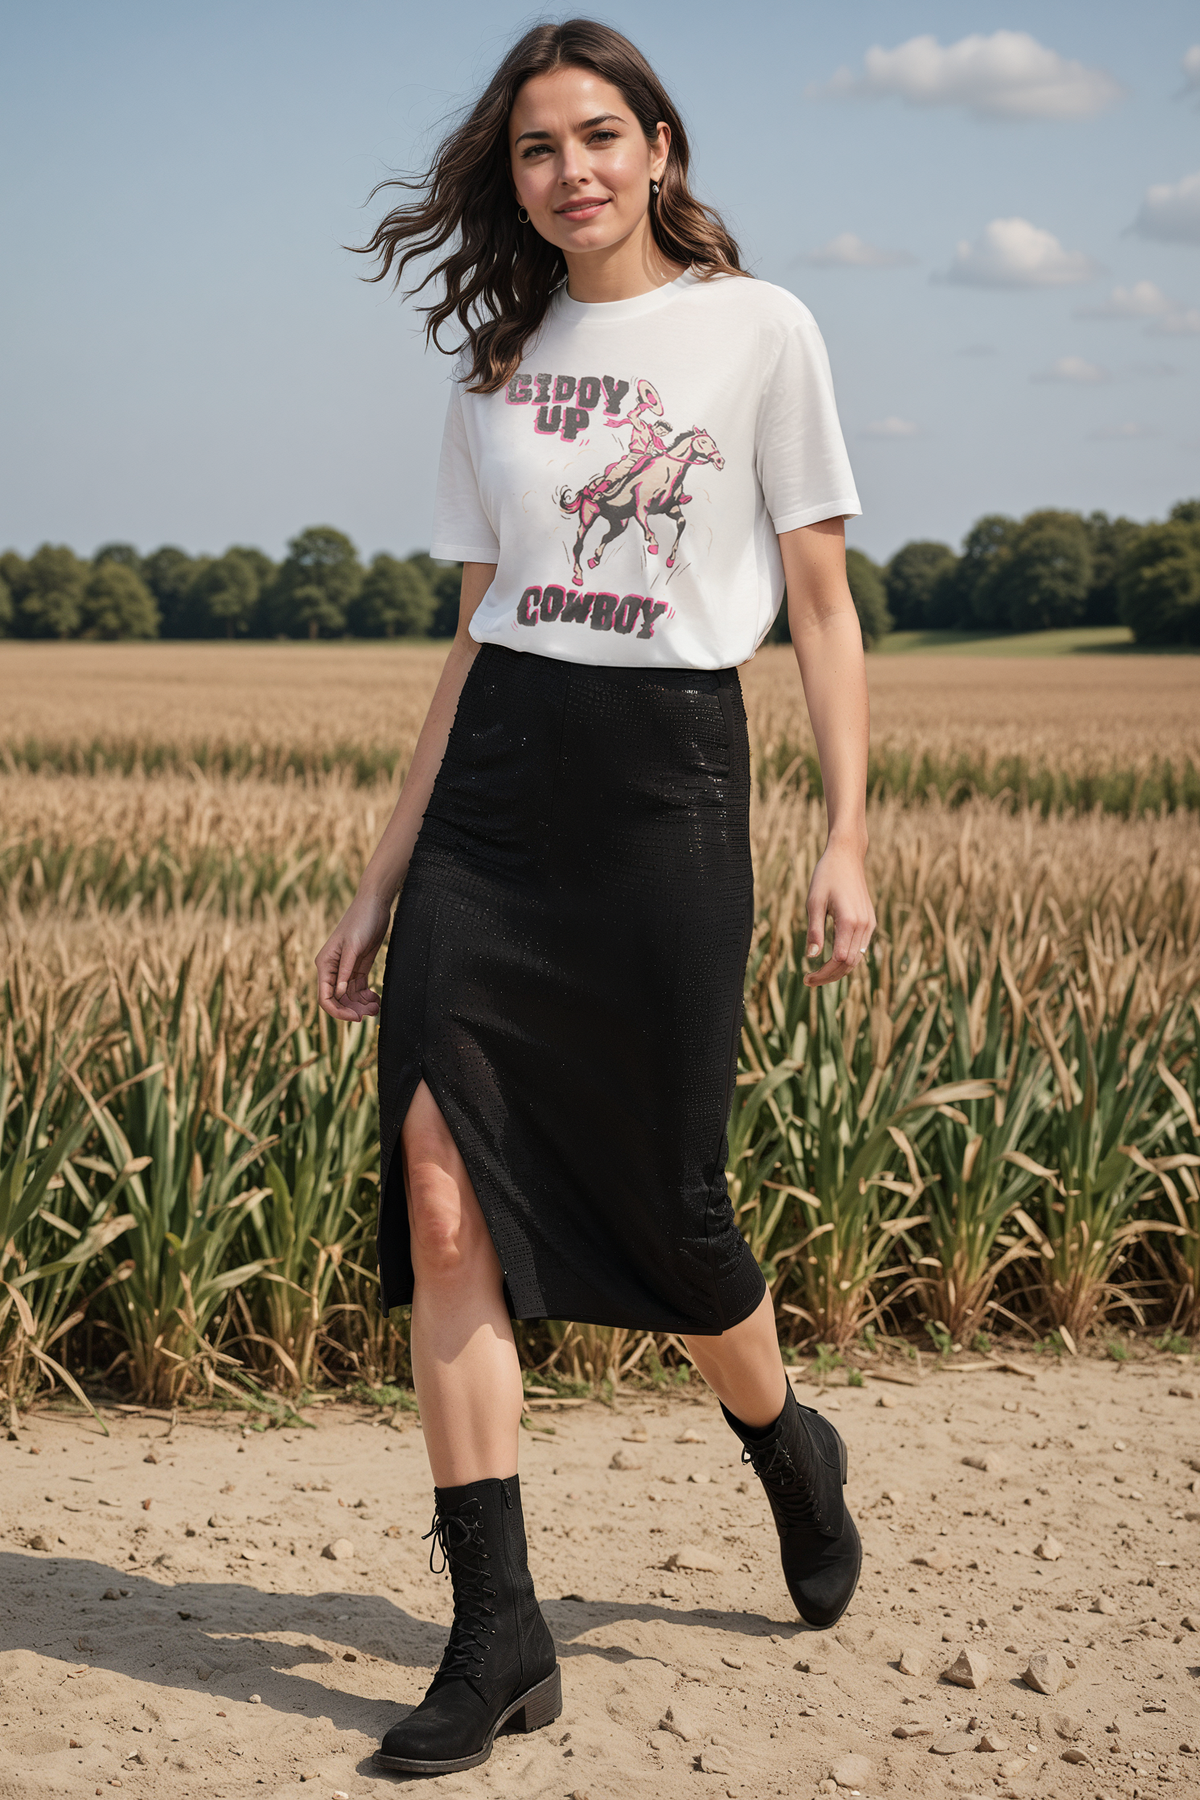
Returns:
point(1051, 570)
point(320, 589)
point(1046, 571)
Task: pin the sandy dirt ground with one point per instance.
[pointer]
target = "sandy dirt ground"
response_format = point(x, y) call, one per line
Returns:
point(170, 1625)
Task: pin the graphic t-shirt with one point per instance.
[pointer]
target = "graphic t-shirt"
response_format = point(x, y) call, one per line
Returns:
point(630, 479)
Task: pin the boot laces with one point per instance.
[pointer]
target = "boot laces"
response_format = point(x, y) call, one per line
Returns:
point(459, 1539)
point(789, 1488)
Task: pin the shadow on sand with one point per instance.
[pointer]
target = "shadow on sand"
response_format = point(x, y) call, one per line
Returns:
point(165, 1633)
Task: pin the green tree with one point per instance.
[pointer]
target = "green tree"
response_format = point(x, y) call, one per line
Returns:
point(124, 554)
point(1108, 540)
point(316, 584)
point(223, 597)
point(917, 581)
point(8, 611)
point(1043, 584)
point(50, 596)
point(1158, 584)
point(869, 595)
point(314, 612)
point(118, 604)
point(170, 573)
point(985, 551)
point(1185, 512)
point(445, 582)
point(12, 568)
point(395, 600)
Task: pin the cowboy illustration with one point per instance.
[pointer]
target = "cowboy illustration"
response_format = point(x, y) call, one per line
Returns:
point(644, 437)
point(648, 479)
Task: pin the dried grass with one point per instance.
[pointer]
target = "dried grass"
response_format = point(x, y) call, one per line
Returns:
point(1007, 940)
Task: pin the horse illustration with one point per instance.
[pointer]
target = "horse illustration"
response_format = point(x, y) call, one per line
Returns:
point(653, 484)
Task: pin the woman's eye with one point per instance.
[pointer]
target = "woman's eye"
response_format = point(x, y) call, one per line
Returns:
point(602, 137)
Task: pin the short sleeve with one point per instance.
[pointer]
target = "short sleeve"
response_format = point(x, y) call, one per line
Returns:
point(801, 454)
point(462, 531)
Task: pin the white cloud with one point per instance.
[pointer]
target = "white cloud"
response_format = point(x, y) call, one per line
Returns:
point(1012, 253)
point(1184, 321)
point(1129, 432)
point(1144, 300)
point(1006, 76)
point(1171, 213)
point(891, 427)
point(1191, 70)
point(846, 251)
point(1074, 369)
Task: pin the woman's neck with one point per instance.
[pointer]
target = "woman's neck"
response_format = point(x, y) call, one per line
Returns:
point(621, 271)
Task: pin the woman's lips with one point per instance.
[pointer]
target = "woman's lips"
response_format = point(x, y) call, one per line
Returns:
point(580, 209)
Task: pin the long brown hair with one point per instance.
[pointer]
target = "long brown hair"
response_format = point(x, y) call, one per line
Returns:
point(498, 278)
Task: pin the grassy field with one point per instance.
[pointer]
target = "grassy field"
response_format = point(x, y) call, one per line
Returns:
point(992, 1127)
point(1079, 640)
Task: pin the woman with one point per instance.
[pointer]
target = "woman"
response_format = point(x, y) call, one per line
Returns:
point(562, 1001)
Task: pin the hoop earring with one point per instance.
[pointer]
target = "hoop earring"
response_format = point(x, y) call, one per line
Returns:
point(522, 215)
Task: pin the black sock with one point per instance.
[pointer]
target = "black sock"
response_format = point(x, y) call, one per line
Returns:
point(754, 1433)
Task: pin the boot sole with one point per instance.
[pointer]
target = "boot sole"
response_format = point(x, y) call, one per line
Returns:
point(539, 1706)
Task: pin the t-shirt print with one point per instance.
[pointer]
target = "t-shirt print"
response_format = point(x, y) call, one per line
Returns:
point(643, 487)
point(630, 478)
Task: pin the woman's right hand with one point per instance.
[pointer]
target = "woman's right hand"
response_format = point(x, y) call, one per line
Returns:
point(344, 962)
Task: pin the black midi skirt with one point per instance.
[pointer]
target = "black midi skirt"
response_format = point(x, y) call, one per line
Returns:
point(565, 972)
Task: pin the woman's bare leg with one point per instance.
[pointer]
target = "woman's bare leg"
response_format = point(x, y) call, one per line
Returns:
point(743, 1367)
point(464, 1360)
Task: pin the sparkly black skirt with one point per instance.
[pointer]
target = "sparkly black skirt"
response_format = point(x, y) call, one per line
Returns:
point(565, 971)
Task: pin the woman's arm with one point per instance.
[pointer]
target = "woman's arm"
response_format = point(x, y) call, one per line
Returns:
point(344, 963)
point(827, 640)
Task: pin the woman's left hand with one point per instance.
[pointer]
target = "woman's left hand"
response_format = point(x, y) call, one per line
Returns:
point(838, 890)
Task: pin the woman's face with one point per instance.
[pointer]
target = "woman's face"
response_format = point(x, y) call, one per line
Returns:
point(581, 164)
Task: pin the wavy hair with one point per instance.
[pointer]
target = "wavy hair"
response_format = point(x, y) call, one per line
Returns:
point(499, 276)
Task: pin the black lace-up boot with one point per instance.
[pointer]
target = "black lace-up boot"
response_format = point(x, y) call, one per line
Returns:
point(500, 1666)
point(801, 1461)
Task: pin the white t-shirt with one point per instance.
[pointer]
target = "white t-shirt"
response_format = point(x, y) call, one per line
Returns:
point(630, 480)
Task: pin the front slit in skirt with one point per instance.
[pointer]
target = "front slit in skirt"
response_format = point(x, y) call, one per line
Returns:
point(565, 972)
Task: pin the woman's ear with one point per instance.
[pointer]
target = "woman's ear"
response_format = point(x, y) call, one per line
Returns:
point(662, 151)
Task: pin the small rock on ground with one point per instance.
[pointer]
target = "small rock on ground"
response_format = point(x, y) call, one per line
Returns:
point(1049, 1550)
point(691, 1557)
point(1045, 1672)
point(341, 1550)
point(911, 1662)
point(852, 1771)
point(970, 1669)
point(951, 1743)
point(715, 1761)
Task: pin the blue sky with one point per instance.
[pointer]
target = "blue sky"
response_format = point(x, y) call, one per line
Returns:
point(187, 355)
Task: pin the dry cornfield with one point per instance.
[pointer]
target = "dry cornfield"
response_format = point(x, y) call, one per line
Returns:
point(992, 1126)
point(1121, 732)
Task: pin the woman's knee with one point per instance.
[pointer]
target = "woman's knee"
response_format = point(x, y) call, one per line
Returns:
point(449, 1237)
